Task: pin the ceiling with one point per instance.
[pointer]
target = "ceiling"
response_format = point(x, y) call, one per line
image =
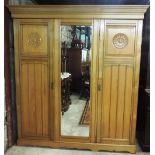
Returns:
point(95, 2)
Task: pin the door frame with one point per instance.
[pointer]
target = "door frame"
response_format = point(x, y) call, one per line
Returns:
point(57, 80)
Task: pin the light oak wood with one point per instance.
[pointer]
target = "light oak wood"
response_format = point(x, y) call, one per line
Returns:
point(92, 126)
point(17, 75)
point(77, 145)
point(28, 46)
point(100, 74)
point(93, 86)
point(115, 62)
point(33, 119)
point(51, 77)
point(79, 12)
point(126, 27)
point(57, 79)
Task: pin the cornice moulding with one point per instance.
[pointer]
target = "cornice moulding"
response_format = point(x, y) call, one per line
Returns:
point(79, 11)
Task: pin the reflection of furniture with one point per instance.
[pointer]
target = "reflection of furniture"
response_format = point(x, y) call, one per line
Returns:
point(116, 44)
point(82, 35)
point(63, 56)
point(85, 84)
point(73, 66)
point(65, 92)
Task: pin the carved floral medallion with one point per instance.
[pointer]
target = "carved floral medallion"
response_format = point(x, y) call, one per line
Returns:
point(34, 39)
point(120, 40)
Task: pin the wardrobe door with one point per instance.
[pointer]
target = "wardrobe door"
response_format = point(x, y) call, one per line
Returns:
point(33, 78)
point(120, 42)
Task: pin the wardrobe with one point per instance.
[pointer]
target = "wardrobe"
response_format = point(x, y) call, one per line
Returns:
point(114, 81)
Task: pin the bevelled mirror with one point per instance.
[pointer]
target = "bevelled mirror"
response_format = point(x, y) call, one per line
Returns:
point(75, 80)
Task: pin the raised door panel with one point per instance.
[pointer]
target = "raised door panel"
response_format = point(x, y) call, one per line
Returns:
point(120, 38)
point(117, 104)
point(34, 39)
point(34, 99)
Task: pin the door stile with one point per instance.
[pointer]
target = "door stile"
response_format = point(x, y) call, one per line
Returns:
point(51, 78)
point(56, 79)
point(16, 24)
point(100, 78)
point(94, 78)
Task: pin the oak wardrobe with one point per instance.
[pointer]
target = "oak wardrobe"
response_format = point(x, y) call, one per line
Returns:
point(109, 38)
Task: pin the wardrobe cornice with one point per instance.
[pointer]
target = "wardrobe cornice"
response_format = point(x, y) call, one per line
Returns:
point(79, 11)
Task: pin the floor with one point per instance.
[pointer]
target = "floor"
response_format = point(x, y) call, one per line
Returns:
point(20, 150)
point(70, 120)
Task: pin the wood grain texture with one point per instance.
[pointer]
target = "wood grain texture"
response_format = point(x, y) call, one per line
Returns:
point(79, 12)
point(120, 104)
point(57, 79)
point(105, 119)
point(78, 145)
point(93, 81)
point(100, 74)
point(34, 39)
point(51, 77)
point(113, 101)
point(16, 25)
point(38, 88)
point(34, 90)
point(119, 84)
point(117, 102)
point(32, 82)
point(122, 27)
point(128, 102)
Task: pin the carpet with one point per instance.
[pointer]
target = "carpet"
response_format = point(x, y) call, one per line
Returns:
point(85, 118)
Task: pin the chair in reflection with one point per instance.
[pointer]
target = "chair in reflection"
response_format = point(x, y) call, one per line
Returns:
point(65, 92)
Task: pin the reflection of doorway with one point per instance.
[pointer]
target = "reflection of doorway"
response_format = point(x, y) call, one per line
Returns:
point(74, 66)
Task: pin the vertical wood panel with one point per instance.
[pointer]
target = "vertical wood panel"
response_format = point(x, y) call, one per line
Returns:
point(120, 104)
point(45, 99)
point(38, 88)
point(16, 24)
point(93, 86)
point(25, 99)
point(35, 99)
point(100, 74)
point(106, 102)
point(32, 107)
point(50, 69)
point(56, 80)
point(128, 101)
point(117, 100)
point(113, 105)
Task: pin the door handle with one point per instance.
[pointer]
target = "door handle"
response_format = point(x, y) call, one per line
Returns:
point(99, 87)
point(52, 85)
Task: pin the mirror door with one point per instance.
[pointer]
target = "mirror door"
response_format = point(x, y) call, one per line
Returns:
point(76, 55)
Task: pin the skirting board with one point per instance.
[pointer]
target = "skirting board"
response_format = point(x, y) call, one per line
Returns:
point(78, 145)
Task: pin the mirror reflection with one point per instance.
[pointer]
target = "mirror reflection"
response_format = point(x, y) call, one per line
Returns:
point(75, 80)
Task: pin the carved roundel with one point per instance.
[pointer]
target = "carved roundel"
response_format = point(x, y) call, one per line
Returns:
point(34, 39)
point(120, 40)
